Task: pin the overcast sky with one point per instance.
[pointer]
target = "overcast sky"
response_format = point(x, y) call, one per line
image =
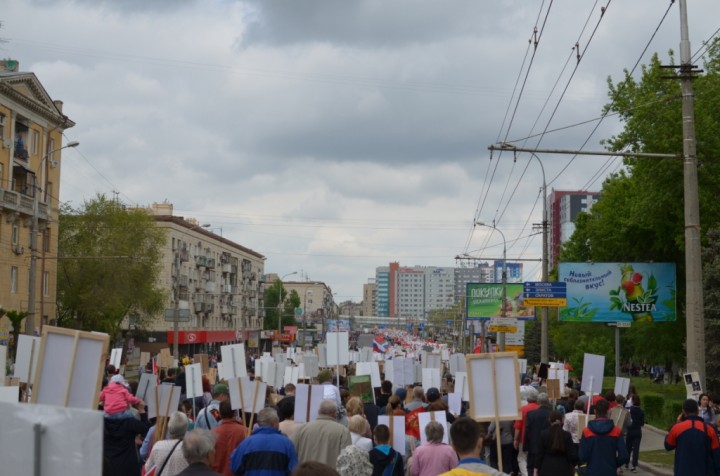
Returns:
point(337, 136)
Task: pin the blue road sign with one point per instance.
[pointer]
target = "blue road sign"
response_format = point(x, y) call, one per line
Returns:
point(545, 290)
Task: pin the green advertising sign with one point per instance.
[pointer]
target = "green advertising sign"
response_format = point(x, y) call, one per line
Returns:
point(484, 300)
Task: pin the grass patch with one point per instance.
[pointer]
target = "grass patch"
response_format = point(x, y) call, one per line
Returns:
point(661, 458)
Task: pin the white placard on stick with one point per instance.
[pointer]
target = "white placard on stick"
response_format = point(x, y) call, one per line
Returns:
point(455, 403)
point(3, 364)
point(461, 386)
point(445, 354)
point(307, 402)
point(233, 357)
point(338, 345)
point(59, 454)
point(116, 357)
point(457, 363)
point(292, 374)
point(593, 373)
point(369, 368)
point(431, 360)
point(145, 386)
point(430, 378)
point(144, 358)
point(397, 431)
point(322, 355)
point(70, 368)
point(523, 366)
point(622, 386)
point(246, 394)
point(493, 382)
point(311, 367)
point(426, 417)
point(366, 355)
point(28, 351)
point(163, 400)
point(10, 394)
point(193, 380)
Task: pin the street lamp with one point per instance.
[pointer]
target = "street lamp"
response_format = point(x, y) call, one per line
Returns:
point(544, 310)
point(30, 321)
point(280, 303)
point(209, 227)
point(501, 335)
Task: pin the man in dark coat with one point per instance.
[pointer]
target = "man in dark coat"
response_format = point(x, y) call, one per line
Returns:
point(537, 421)
point(120, 450)
point(695, 443)
point(602, 445)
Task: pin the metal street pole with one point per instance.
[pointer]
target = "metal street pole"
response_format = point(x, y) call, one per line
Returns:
point(32, 290)
point(694, 317)
point(503, 311)
point(544, 340)
point(176, 315)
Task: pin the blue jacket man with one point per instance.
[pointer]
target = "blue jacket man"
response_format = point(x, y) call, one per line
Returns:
point(602, 445)
point(266, 452)
point(695, 443)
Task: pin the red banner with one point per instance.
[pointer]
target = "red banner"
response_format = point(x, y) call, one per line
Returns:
point(205, 337)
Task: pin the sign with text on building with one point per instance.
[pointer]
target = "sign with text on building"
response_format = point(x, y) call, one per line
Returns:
point(503, 324)
point(619, 292)
point(546, 294)
point(484, 300)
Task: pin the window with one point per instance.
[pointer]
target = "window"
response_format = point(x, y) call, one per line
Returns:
point(48, 192)
point(2, 127)
point(15, 234)
point(13, 279)
point(34, 142)
point(46, 239)
point(1, 177)
point(46, 284)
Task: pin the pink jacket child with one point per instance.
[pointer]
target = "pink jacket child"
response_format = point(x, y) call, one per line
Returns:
point(116, 398)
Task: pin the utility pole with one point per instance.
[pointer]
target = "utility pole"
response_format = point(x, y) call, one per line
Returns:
point(694, 313)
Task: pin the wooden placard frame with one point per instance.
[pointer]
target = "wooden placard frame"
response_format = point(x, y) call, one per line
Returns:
point(202, 359)
point(61, 348)
point(553, 389)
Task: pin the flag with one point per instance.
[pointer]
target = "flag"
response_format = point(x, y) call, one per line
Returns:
point(379, 347)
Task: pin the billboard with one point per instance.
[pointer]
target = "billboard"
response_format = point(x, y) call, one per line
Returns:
point(483, 301)
point(618, 292)
point(339, 325)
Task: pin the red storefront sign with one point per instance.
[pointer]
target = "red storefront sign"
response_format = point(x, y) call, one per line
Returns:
point(205, 337)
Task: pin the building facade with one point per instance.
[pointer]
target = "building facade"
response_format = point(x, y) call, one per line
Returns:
point(369, 298)
point(213, 285)
point(563, 208)
point(31, 128)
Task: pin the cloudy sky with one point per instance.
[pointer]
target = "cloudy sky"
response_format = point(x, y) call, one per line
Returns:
point(337, 136)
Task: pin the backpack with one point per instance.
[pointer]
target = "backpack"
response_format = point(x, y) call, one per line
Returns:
point(390, 468)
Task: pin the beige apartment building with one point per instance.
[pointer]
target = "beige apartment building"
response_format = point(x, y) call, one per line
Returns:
point(31, 128)
point(213, 285)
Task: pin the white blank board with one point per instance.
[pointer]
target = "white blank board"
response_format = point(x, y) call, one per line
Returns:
point(82, 453)
point(22, 359)
point(430, 378)
point(3, 363)
point(397, 431)
point(457, 363)
point(593, 372)
point(233, 357)
point(10, 394)
point(426, 417)
point(116, 357)
point(314, 394)
point(369, 368)
point(247, 395)
point(145, 386)
point(461, 386)
point(338, 348)
point(494, 388)
point(193, 380)
point(622, 386)
point(168, 400)
point(322, 355)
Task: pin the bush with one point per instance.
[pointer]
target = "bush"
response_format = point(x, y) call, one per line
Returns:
point(654, 407)
point(672, 410)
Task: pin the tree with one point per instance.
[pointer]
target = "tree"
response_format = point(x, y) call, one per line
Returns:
point(108, 266)
point(711, 278)
point(640, 216)
point(273, 296)
point(15, 318)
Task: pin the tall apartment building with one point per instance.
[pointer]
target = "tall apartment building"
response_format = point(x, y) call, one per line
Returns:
point(382, 291)
point(213, 282)
point(31, 128)
point(484, 272)
point(563, 208)
point(316, 300)
point(369, 298)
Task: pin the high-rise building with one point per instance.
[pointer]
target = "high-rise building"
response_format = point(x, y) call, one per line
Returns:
point(31, 139)
point(369, 298)
point(382, 291)
point(563, 208)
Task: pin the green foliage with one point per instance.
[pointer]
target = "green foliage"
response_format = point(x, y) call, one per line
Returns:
point(273, 295)
point(16, 318)
point(572, 340)
point(711, 282)
point(654, 405)
point(108, 266)
point(672, 410)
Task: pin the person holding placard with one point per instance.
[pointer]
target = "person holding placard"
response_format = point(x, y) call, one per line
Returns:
point(466, 439)
point(602, 446)
point(557, 455)
point(434, 457)
point(230, 433)
point(165, 454)
point(385, 460)
point(207, 418)
point(266, 452)
point(323, 439)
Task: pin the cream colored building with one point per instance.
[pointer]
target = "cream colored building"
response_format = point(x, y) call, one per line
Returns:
point(31, 127)
point(369, 295)
point(212, 283)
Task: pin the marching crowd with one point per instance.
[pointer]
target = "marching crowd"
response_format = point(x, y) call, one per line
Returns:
point(207, 437)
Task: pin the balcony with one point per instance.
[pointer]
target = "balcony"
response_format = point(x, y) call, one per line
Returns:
point(199, 307)
point(183, 282)
point(210, 287)
point(23, 204)
point(211, 263)
point(227, 268)
point(228, 289)
point(201, 260)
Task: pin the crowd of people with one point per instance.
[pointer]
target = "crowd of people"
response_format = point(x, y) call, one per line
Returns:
point(550, 438)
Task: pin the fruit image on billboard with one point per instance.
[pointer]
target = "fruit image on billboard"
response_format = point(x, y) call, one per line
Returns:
point(618, 292)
